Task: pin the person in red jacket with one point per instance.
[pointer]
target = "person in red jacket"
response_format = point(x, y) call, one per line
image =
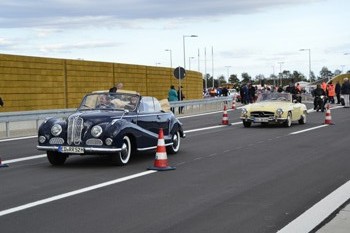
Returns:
point(331, 92)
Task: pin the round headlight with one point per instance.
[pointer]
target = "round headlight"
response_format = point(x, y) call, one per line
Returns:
point(279, 111)
point(56, 130)
point(244, 111)
point(96, 131)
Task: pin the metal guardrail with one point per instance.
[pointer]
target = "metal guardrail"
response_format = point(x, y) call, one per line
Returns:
point(17, 121)
point(27, 122)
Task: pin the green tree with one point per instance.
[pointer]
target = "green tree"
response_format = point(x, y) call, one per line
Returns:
point(221, 80)
point(206, 78)
point(233, 79)
point(325, 73)
point(246, 78)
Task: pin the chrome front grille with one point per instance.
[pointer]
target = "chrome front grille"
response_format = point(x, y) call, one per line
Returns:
point(75, 127)
point(262, 114)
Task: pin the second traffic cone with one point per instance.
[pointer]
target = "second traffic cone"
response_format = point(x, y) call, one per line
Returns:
point(3, 165)
point(234, 103)
point(225, 116)
point(328, 119)
point(161, 160)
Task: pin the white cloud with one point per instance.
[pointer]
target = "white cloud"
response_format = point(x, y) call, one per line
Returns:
point(249, 35)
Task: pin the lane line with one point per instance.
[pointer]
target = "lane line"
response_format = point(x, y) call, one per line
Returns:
point(305, 130)
point(72, 193)
point(15, 139)
point(314, 216)
point(25, 158)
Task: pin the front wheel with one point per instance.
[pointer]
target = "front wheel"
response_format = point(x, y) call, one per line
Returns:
point(302, 119)
point(123, 157)
point(56, 158)
point(247, 124)
point(175, 147)
point(288, 122)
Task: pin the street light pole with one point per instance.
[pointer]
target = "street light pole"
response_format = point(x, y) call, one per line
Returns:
point(171, 57)
point(309, 62)
point(281, 62)
point(228, 72)
point(171, 61)
point(273, 72)
point(189, 62)
point(184, 48)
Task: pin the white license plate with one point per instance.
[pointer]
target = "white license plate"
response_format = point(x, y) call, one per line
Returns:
point(261, 119)
point(71, 149)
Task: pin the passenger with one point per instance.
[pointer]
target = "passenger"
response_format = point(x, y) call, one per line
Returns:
point(117, 86)
point(104, 102)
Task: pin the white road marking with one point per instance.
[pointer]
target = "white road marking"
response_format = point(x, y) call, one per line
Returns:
point(24, 159)
point(72, 193)
point(15, 139)
point(305, 130)
point(312, 217)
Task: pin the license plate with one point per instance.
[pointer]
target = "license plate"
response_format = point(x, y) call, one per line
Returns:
point(261, 120)
point(71, 149)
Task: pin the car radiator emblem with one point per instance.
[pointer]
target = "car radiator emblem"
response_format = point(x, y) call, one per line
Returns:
point(75, 127)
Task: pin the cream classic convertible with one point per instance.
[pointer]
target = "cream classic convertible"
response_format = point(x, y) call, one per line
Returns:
point(274, 107)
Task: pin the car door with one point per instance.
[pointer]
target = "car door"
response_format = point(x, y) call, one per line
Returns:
point(150, 116)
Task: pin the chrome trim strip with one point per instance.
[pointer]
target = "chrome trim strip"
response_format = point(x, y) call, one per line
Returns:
point(87, 149)
point(152, 147)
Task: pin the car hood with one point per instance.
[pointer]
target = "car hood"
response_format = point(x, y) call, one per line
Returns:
point(97, 117)
point(268, 106)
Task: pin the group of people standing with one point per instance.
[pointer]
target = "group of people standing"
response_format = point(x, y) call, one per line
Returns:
point(329, 91)
point(345, 91)
point(174, 95)
point(248, 93)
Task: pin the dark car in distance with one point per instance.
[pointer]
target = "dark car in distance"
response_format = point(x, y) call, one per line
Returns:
point(115, 124)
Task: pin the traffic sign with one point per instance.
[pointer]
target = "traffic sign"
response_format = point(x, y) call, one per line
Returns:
point(179, 73)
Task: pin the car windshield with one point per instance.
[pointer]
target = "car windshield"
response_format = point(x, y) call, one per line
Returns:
point(274, 96)
point(110, 101)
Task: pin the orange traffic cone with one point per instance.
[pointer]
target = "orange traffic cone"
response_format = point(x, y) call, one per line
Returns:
point(328, 119)
point(233, 103)
point(225, 116)
point(161, 161)
point(3, 165)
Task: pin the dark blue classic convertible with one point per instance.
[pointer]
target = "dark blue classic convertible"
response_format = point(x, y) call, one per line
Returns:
point(118, 124)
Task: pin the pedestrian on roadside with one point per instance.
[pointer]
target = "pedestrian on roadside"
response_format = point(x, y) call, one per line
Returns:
point(337, 91)
point(172, 96)
point(181, 97)
point(345, 91)
point(331, 92)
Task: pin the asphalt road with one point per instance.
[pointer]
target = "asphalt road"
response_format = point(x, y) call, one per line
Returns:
point(227, 179)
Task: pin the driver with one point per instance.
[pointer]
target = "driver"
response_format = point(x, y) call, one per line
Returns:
point(133, 102)
point(104, 102)
point(317, 93)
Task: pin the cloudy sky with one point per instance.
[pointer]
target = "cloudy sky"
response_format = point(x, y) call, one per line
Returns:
point(253, 36)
